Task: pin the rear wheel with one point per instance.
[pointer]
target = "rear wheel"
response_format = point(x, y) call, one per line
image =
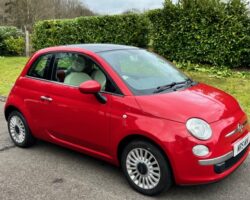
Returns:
point(146, 168)
point(19, 130)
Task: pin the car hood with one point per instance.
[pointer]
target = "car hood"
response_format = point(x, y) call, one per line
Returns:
point(199, 101)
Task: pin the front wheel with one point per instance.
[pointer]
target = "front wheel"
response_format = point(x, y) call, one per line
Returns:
point(19, 130)
point(146, 168)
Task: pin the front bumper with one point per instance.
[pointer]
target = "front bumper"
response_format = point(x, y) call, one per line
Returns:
point(224, 162)
point(211, 173)
point(230, 162)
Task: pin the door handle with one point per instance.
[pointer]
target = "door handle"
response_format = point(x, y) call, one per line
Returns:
point(44, 98)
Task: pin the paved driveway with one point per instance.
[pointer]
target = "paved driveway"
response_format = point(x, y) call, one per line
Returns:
point(47, 171)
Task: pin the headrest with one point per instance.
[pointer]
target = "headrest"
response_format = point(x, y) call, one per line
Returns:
point(79, 64)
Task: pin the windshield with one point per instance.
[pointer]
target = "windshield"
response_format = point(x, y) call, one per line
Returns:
point(142, 71)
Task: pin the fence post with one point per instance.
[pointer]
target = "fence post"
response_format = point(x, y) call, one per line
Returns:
point(27, 43)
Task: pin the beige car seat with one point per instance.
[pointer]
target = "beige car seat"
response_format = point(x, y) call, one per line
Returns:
point(100, 77)
point(77, 76)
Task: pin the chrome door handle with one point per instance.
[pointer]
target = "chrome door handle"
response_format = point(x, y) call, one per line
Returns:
point(44, 98)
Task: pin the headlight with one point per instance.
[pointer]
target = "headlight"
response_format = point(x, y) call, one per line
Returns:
point(199, 128)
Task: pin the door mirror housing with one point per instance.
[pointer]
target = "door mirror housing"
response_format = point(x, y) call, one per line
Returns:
point(93, 87)
point(90, 87)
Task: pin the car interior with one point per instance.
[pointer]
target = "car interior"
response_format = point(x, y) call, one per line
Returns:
point(73, 69)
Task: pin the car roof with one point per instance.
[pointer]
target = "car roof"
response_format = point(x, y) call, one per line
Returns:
point(97, 48)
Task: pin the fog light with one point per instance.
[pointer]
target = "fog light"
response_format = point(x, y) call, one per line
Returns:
point(200, 150)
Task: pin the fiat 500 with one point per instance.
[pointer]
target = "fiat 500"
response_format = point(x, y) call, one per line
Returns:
point(131, 108)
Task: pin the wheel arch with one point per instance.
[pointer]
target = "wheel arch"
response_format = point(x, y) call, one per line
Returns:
point(9, 109)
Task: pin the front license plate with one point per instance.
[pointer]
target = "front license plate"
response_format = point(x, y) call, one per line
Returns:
point(241, 145)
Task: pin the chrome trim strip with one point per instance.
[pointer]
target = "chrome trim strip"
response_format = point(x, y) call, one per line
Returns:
point(232, 133)
point(217, 160)
point(238, 129)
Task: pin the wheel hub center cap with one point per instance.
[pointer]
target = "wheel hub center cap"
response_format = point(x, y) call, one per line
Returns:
point(17, 129)
point(142, 168)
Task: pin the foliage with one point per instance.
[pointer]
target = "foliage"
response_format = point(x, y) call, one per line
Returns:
point(208, 32)
point(131, 29)
point(211, 71)
point(11, 41)
point(202, 31)
point(24, 13)
point(15, 45)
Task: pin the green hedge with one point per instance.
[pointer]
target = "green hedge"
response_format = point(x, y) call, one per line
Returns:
point(197, 31)
point(129, 29)
point(11, 41)
point(202, 31)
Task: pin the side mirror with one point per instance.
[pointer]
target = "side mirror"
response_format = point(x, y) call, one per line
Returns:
point(90, 87)
point(93, 87)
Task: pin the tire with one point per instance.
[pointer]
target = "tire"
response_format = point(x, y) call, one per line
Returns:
point(143, 160)
point(19, 130)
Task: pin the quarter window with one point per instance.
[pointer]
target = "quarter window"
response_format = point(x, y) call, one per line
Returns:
point(40, 67)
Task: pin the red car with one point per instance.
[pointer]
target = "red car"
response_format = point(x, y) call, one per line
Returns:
point(131, 108)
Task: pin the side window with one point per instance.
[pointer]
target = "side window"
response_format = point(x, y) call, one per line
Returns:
point(40, 68)
point(73, 69)
point(70, 69)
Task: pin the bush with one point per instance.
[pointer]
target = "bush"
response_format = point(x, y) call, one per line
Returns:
point(204, 31)
point(11, 41)
point(197, 31)
point(131, 29)
point(15, 46)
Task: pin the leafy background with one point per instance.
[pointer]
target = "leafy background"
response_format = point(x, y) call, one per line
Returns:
point(11, 41)
point(203, 31)
point(119, 29)
point(208, 32)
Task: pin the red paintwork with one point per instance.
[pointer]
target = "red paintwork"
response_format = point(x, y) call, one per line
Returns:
point(90, 87)
point(79, 121)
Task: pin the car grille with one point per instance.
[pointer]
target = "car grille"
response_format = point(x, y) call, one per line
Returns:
point(220, 168)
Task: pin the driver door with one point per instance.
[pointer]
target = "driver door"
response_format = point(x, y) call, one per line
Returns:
point(75, 119)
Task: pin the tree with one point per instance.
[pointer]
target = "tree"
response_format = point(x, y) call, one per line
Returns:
point(23, 13)
point(132, 11)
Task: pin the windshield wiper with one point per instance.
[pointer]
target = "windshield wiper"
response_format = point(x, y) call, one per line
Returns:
point(188, 80)
point(171, 85)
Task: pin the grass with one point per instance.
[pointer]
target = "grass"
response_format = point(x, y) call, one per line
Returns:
point(10, 68)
